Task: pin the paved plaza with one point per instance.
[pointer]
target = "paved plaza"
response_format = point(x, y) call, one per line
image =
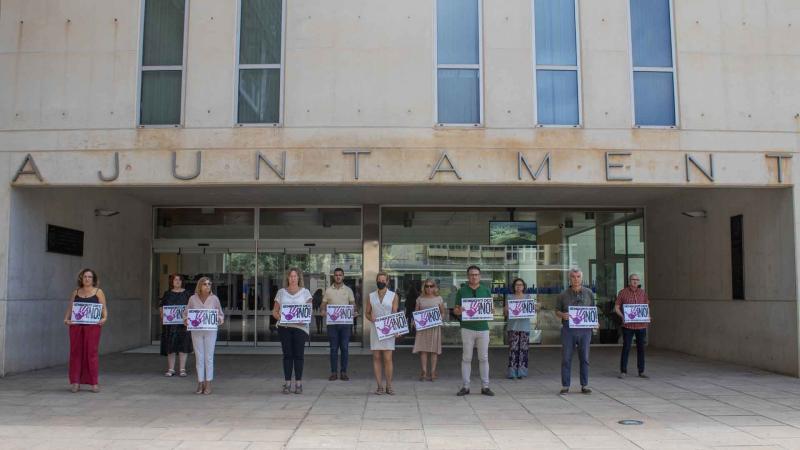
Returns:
point(688, 403)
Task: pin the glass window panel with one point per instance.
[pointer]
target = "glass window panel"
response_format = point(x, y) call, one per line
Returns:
point(260, 38)
point(161, 97)
point(654, 98)
point(636, 237)
point(163, 33)
point(457, 31)
point(259, 95)
point(620, 247)
point(651, 33)
point(205, 223)
point(440, 243)
point(557, 97)
point(310, 223)
point(458, 96)
point(555, 32)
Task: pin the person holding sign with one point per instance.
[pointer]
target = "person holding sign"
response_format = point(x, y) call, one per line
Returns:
point(174, 337)
point(519, 328)
point(474, 333)
point(203, 315)
point(85, 316)
point(428, 341)
point(633, 324)
point(293, 309)
point(339, 333)
point(574, 295)
point(382, 302)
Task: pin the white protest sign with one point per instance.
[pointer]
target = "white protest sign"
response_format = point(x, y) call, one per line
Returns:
point(477, 309)
point(427, 318)
point(86, 313)
point(202, 319)
point(391, 325)
point(297, 313)
point(636, 313)
point(340, 314)
point(173, 314)
point(521, 308)
point(583, 317)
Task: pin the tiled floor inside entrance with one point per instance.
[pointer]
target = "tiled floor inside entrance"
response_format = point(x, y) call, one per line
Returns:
point(687, 403)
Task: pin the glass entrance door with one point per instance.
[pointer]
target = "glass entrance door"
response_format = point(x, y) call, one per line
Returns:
point(233, 278)
point(246, 252)
point(317, 265)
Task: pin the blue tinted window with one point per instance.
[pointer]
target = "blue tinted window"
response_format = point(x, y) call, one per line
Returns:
point(654, 98)
point(457, 31)
point(555, 32)
point(557, 92)
point(458, 100)
point(651, 33)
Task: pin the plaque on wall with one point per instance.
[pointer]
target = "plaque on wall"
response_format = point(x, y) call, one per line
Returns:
point(64, 240)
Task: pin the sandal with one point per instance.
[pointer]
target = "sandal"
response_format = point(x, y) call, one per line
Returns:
point(389, 390)
point(95, 389)
point(298, 389)
point(75, 388)
point(434, 376)
point(207, 389)
point(199, 389)
point(380, 390)
point(423, 376)
point(286, 388)
point(182, 373)
point(169, 373)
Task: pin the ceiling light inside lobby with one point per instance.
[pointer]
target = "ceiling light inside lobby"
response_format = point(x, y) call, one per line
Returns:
point(698, 214)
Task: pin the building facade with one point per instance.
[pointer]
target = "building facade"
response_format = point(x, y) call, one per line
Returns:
point(237, 138)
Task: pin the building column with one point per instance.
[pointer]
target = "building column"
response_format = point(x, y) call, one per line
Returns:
point(370, 259)
point(795, 243)
point(5, 234)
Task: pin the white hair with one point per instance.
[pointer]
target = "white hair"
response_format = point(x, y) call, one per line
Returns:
point(576, 270)
point(633, 275)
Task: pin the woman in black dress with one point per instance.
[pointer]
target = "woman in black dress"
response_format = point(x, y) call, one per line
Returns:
point(175, 338)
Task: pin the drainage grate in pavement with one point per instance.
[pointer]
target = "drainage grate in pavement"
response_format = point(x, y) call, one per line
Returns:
point(630, 422)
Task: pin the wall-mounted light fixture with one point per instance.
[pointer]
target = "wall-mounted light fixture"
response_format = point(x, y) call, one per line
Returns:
point(698, 214)
point(105, 212)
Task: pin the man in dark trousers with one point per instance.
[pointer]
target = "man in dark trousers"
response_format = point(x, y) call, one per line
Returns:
point(574, 295)
point(632, 294)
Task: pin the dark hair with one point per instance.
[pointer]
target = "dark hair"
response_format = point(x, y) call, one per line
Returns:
point(172, 277)
point(95, 280)
point(473, 267)
point(514, 284)
point(338, 269)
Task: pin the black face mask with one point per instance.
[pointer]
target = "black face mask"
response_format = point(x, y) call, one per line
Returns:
point(381, 285)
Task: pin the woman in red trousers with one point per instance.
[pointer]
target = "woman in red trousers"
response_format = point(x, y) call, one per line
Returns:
point(84, 339)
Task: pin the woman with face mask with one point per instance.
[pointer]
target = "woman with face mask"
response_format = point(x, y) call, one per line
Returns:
point(382, 302)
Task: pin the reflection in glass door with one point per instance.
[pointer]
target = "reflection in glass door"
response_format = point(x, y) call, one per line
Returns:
point(317, 267)
point(241, 302)
point(233, 278)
